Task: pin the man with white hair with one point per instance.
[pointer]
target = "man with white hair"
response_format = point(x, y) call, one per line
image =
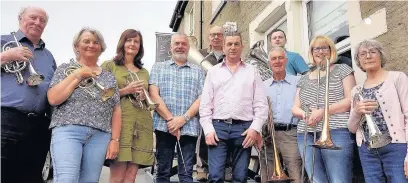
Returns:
point(176, 85)
point(25, 138)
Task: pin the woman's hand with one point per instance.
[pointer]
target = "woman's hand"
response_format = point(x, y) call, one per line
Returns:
point(84, 72)
point(315, 116)
point(365, 107)
point(113, 149)
point(134, 87)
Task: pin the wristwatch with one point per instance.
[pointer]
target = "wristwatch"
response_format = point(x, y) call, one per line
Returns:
point(186, 117)
point(117, 139)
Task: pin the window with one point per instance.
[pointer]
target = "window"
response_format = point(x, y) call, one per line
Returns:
point(281, 24)
point(191, 22)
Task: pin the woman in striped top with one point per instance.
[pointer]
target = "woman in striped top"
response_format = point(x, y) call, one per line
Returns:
point(327, 166)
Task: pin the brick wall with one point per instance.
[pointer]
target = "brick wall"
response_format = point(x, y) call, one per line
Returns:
point(395, 40)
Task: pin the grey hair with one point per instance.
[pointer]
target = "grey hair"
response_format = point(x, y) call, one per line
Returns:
point(178, 34)
point(370, 43)
point(24, 9)
point(95, 32)
point(276, 48)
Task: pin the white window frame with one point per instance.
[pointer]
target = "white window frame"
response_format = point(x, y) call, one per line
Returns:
point(274, 26)
point(191, 21)
point(341, 47)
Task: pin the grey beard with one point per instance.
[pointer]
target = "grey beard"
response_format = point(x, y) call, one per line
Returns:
point(180, 56)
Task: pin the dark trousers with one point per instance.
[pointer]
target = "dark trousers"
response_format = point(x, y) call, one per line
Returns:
point(25, 141)
point(230, 142)
point(165, 144)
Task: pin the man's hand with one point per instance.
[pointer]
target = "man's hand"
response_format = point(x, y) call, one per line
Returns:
point(251, 138)
point(211, 139)
point(177, 134)
point(16, 53)
point(176, 123)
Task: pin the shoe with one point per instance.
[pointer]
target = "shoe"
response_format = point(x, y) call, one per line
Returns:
point(228, 174)
point(201, 177)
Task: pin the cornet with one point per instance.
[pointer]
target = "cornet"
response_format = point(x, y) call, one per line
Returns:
point(376, 139)
point(17, 66)
point(149, 104)
point(88, 83)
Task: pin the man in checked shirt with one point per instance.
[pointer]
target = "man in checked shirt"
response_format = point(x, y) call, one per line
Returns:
point(233, 109)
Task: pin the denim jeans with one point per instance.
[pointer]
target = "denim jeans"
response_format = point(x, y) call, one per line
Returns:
point(165, 144)
point(230, 142)
point(25, 141)
point(78, 153)
point(334, 166)
point(385, 164)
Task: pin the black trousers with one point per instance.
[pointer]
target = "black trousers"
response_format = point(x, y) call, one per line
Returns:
point(25, 141)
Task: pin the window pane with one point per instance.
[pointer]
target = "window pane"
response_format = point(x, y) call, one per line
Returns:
point(328, 18)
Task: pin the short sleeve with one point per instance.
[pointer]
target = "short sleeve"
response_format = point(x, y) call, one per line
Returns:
point(154, 75)
point(59, 75)
point(300, 64)
point(201, 80)
point(108, 65)
point(301, 81)
point(343, 70)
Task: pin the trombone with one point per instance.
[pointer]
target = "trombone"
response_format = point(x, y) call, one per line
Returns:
point(278, 175)
point(149, 104)
point(376, 138)
point(17, 66)
point(87, 83)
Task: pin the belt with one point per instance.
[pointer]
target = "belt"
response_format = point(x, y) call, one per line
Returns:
point(230, 121)
point(28, 114)
point(284, 127)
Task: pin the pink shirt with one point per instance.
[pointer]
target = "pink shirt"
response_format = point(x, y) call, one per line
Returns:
point(239, 95)
point(393, 99)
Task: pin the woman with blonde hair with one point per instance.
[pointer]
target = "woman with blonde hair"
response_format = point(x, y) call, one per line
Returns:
point(327, 166)
point(385, 99)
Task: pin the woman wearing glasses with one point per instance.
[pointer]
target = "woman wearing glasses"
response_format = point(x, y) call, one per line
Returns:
point(385, 96)
point(327, 166)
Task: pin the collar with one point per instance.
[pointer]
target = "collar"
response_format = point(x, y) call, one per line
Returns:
point(287, 79)
point(22, 37)
point(224, 63)
point(172, 62)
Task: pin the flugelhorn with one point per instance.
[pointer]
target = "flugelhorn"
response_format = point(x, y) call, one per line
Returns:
point(376, 139)
point(17, 66)
point(149, 104)
point(325, 141)
point(278, 175)
point(88, 83)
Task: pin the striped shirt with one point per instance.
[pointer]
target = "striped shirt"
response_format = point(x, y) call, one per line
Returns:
point(308, 90)
point(179, 87)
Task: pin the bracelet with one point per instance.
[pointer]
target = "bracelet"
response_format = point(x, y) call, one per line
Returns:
point(117, 139)
point(167, 120)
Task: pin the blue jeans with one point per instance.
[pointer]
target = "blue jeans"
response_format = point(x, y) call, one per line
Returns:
point(165, 144)
point(78, 153)
point(334, 166)
point(385, 164)
point(230, 142)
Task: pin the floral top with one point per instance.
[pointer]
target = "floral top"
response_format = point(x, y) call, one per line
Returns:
point(377, 115)
point(81, 108)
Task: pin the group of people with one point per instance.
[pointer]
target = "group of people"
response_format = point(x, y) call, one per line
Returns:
point(98, 113)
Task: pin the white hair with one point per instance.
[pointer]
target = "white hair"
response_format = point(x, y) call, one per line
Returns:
point(24, 9)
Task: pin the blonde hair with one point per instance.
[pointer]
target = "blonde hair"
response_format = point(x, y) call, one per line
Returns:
point(327, 40)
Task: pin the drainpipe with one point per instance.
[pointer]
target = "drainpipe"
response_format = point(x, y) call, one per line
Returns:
point(201, 24)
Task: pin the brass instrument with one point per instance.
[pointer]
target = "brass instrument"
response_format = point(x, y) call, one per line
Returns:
point(90, 82)
point(148, 103)
point(18, 65)
point(325, 141)
point(376, 139)
point(307, 114)
point(258, 57)
point(278, 175)
point(197, 58)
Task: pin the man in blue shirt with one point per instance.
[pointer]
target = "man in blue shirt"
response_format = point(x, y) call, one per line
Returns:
point(281, 88)
point(296, 64)
point(25, 138)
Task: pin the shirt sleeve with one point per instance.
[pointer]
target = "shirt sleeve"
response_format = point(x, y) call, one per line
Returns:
point(154, 75)
point(344, 70)
point(260, 105)
point(207, 105)
point(300, 64)
point(59, 75)
point(201, 80)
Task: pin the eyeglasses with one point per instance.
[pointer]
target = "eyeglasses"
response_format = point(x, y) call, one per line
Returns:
point(363, 54)
point(319, 49)
point(216, 34)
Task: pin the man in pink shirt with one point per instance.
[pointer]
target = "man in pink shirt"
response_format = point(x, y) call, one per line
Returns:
point(233, 109)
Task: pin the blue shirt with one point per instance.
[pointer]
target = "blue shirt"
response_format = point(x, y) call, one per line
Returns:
point(296, 64)
point(179, 87)
point(21, 96)
point(282, 94)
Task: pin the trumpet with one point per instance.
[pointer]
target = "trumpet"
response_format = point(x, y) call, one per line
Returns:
point(148, 103)
point(325, 141)
point(376, 139)
point(278, 175)
point(17, 66)
point(90, 82)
